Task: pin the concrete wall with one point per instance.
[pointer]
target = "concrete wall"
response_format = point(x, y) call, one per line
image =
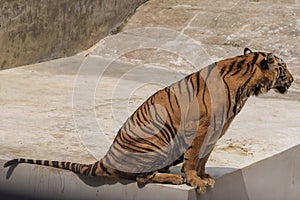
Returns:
point(32, 31)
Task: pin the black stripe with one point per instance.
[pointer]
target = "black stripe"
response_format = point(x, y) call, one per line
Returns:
point(165, 132)
point(146, 109)
point(167, 90)
point(170, 130)
point(223, 70)
point(228, 97)
point(149, 142)
point(192, 83)
point(94, 169)
point(263, 54)
point(139, 119)
point(22, 160)
point(126, 126)
point(128, 159)
point(230, 68)
point(138, 122)
point(46, 163)
point(240, 92)
point(55, 164)
point(30, 161)
point(170, 126)
point(239, 67)
point(254, 58)
point(162, 132)
point(38, 162)
point(150, 132)
point(188, 89)
point(78, 167)
point(237, 99)
point(126, 139)
point(198, 83)
point(104, 168)
point(179, 87)
point(166, 137)
point(247, 70)
point(68, 165)
point(63, 164)
point(190, 147)
point(127, 145)
point(203, 99)
point(248, 80)
point(73, 167)
point(130, 147)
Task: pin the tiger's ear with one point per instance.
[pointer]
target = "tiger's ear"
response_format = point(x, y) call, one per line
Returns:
point(247, 51)
point(268, 61)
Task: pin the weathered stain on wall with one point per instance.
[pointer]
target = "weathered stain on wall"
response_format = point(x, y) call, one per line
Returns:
point(33, 31)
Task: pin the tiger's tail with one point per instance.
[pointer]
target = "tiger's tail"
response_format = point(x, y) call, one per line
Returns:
point(94, 169)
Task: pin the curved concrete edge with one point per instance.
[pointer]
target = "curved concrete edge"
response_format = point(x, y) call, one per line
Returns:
point(277, 177)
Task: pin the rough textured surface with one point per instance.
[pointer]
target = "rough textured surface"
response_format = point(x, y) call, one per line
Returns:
point(223, 28)
point(31, 31)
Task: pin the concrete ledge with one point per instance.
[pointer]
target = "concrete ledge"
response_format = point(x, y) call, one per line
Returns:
point(277, 177)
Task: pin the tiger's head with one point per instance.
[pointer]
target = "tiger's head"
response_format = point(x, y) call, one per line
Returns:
point(274, 71)
point(283, 78)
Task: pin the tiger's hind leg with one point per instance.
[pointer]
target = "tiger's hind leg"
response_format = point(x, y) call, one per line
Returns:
point(157, 177)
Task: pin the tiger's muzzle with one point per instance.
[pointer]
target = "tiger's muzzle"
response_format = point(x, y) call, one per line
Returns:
point(283, 83)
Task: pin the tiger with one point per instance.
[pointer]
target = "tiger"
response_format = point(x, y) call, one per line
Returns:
point(181, 123)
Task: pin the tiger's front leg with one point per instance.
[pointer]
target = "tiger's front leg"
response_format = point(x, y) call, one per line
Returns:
point(201, 171)
point(192, 163)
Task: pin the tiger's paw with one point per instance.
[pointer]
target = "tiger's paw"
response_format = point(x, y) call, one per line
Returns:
point(209, 180)
point(177, 179)
point(144, 179)
point(198, 183)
